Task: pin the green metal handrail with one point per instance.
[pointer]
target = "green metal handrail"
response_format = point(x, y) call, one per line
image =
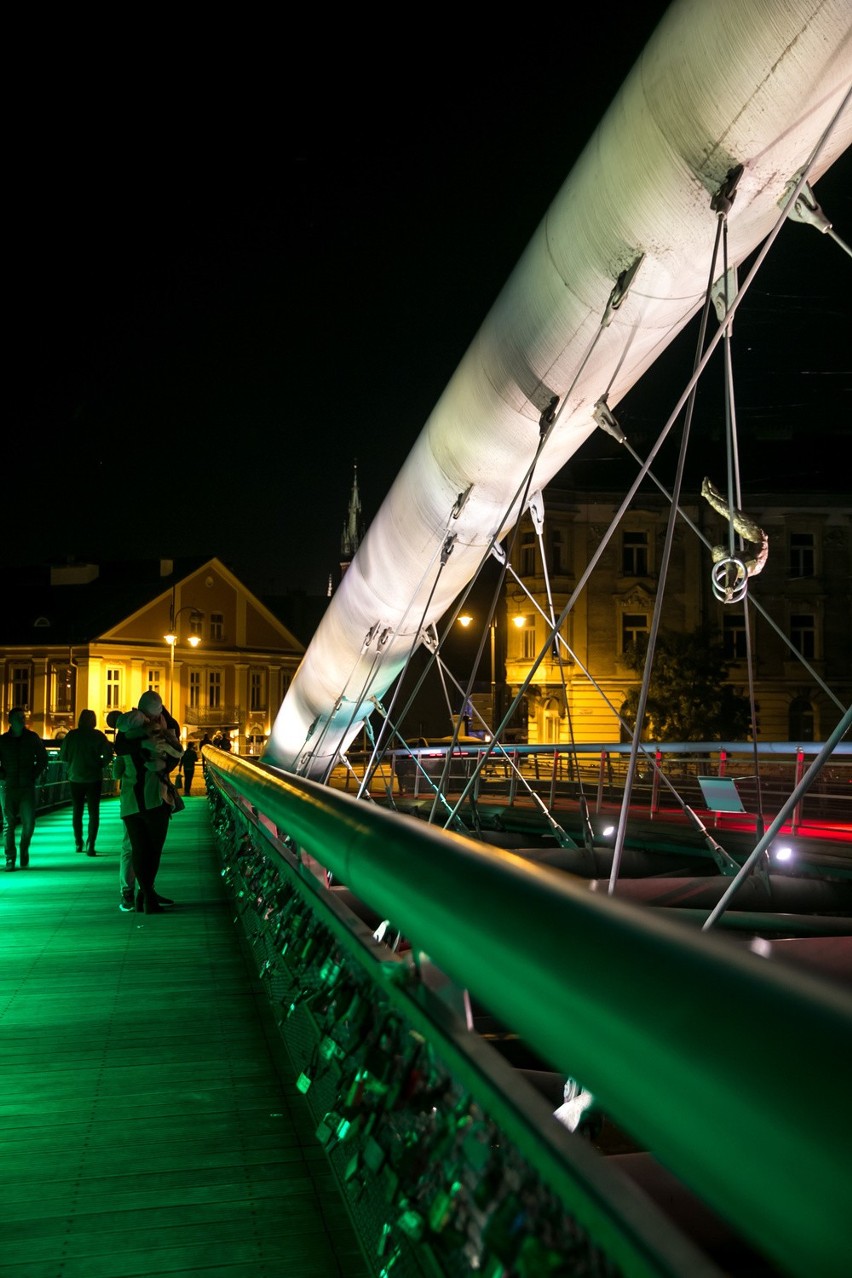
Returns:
point(731, 1072)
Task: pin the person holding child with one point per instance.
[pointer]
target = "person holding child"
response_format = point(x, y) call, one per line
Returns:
point(150, 748)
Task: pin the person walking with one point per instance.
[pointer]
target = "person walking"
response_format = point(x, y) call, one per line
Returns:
point(86, 752)
point(150, 749)
point(23, 758)
point(187, 763)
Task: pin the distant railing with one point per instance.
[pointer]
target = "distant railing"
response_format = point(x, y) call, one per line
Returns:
point(213, 716)
point(599, 771)
point(53, 787)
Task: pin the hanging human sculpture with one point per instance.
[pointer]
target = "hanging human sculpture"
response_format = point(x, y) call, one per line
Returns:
point(731, 572)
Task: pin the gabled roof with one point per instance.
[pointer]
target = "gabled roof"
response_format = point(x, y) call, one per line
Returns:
point(39, 612)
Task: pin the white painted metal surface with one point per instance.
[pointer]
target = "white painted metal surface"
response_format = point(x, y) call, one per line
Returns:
point(722, 83)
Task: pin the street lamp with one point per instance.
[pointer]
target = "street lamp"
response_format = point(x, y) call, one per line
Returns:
point(465, 620)
point(171, 639)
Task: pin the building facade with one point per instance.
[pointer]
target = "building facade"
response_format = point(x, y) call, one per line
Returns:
point(804, 598)
point(91, 638)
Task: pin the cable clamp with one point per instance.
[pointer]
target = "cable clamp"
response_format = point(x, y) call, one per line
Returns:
point(535, 507)
point(548, 417)
point(461, 502)
point(805, 207)
point(603, 417)
point(622, 287)
point(723, 200)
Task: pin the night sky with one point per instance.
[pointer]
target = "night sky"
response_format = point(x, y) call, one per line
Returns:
point(239, 264)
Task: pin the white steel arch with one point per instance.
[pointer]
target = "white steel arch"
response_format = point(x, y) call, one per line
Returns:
point(728, 83)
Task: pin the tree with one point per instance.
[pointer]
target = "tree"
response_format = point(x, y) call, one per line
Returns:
point(688, 696)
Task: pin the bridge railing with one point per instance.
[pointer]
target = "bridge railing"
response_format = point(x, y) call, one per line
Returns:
point(561, 772)
point(701, 1051)
point(53, 787)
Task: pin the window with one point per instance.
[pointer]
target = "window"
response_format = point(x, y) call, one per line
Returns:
point(194, 689)
point(195, 623)
point(734, 637)
point(257, 690)
point(527, 553)
point(21, 686)
point(634, 554)
point(113, 688)
point(530, 653)
point(154, 679)
point(63, 689)
point(217, 625)
point(558, 557)
point(803, 633)
point(214, 689)
point(801, 554)
point(801, 720)
point(550, 726)
point(634, 625)
point(285, 684)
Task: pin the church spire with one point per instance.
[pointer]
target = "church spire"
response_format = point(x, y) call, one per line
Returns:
point(353, 529)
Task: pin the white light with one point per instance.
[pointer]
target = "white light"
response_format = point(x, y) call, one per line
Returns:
point(608, 830)
point(784, 854)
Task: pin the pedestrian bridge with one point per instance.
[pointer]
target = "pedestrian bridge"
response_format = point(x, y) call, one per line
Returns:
point(342, 1050)
point(149, 1124)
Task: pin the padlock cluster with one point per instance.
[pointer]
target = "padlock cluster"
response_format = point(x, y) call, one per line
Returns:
point(434, 1185)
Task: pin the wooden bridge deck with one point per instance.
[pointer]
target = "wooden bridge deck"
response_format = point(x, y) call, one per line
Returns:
point(148, 1120)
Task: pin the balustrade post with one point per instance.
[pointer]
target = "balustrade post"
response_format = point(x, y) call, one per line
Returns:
point(655, 782)
point(800, 771)
point(601, 772)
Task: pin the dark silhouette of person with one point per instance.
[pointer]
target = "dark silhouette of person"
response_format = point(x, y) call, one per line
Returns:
point(151, 748)
point(187, 763)
point(86, 752)
point(23, 758)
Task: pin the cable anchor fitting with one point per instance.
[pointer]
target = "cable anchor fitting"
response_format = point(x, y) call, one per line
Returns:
point(622, 287)
point(723, 200)
point(548, 417)
point(602, 416)
point(805, 207)
point(461, 502)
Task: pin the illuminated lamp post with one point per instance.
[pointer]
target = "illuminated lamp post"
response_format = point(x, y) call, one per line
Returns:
point(171, 639)
point(465, 620)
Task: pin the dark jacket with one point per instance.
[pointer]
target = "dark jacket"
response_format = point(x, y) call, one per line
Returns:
point(87, 752)
point(22, 759)
point(144, 773)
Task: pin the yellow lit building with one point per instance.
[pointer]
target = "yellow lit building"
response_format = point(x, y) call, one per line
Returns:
point(804, 591)
point(97, 636)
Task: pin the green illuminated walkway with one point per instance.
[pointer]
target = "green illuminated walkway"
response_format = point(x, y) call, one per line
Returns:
point(147, 1124)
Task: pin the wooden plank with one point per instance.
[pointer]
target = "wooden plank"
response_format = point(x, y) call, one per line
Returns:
point(149, 1124)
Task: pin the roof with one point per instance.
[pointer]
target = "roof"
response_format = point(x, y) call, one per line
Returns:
point(38, 612)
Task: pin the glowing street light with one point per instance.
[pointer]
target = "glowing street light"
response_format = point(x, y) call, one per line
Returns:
point(171, 639)
point(465, 620)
